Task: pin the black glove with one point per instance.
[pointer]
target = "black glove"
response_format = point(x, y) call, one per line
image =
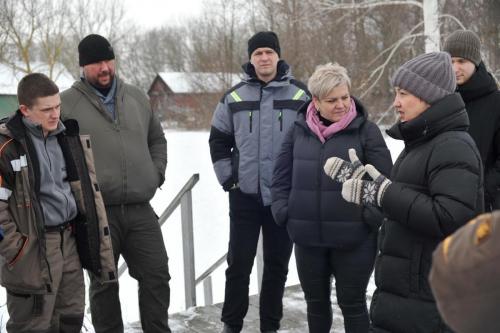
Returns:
point(230, 184)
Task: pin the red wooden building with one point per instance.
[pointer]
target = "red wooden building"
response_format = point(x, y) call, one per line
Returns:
point(187, 100)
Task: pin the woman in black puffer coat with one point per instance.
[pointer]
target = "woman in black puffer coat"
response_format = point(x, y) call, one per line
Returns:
point(435, 187)
point(332, 237)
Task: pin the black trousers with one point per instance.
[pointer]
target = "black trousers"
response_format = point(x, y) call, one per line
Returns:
point(351, 269)
point(248, 216)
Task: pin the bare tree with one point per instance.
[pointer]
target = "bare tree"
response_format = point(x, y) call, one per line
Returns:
point(148, 53)
point(217, 39)
point(48, 31)
point(106, 18)
point(20, 24)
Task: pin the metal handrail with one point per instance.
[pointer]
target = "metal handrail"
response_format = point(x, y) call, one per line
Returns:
point(211, 269)
point(176, 201)
point(184, 200)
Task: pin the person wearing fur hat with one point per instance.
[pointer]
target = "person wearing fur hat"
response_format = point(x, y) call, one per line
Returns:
point(479, 90)
point(130, 153)
point(434, 188)
point(248, 127)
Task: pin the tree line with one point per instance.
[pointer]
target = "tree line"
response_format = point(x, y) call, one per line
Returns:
point(369, 37)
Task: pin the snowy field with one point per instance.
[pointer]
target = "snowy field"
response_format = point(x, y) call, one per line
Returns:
point(188, 153)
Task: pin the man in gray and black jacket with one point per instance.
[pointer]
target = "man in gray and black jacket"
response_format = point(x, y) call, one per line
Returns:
point(248, 127)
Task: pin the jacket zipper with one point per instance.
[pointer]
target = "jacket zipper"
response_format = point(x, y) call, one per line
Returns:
point(250, 117)
point(280, 117)
point(34, 195)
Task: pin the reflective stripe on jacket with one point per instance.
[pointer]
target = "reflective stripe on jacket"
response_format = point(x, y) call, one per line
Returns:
point(248, 127)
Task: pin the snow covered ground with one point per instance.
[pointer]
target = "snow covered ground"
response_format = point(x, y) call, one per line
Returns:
point(188, 153)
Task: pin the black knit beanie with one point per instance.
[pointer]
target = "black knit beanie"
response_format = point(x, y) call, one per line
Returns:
point(94, 48)
point(464, 44)
point(428, 76)
point(264, 39)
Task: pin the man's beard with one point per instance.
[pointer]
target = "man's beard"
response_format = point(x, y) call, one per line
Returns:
point(97, 84)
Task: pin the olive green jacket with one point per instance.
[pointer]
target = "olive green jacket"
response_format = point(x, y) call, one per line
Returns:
point(131, 151)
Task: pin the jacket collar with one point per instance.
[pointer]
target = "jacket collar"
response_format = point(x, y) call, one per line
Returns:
point(87, 89)
point(36, 129)
point(283, 73)
point(361, 117)
point(15, 125)
point(481, 83)
point(447, 114)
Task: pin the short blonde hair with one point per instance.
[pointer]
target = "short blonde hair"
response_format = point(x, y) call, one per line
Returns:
point(327, 77)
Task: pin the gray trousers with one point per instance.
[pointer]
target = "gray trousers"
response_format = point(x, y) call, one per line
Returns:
point(63, 309)
point(136, 235)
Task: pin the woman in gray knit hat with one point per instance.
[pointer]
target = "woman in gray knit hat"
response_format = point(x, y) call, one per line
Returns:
point(434, 188)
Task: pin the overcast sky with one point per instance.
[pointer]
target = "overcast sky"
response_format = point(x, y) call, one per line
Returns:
point(155, 13)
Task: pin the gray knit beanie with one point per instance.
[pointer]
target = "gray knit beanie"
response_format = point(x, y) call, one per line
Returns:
point(429, 76)
point(464, 44)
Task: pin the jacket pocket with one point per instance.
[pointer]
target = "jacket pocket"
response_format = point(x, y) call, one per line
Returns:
point(21, 252)
point(23, 273)
point(286, 112)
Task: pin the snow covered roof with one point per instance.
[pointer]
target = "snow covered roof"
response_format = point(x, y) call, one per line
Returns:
point(9, 78)
point(197, 82)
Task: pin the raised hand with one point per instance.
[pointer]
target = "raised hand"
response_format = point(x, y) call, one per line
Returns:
point(340, 170)
point(366, 192)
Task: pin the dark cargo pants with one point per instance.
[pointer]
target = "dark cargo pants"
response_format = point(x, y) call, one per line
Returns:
point(63, 309)
point(136, 235)
point(247, 217)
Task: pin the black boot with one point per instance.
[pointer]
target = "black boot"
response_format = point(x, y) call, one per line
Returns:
point(230, 329)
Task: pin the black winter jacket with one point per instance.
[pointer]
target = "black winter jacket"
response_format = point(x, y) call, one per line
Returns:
point(308, 201)
point(436, 188)
point(482, 102)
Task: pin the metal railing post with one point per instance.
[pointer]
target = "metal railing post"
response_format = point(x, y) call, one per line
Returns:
point(207, 291)
point(188, 249)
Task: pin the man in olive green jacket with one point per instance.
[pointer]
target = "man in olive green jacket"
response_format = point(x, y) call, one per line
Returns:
point(51, 212)
point(130, 157)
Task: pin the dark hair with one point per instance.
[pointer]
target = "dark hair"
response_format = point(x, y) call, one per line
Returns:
point(33, 86)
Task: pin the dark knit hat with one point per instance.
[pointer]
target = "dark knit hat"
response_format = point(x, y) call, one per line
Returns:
point(429, 76)
point(464, 44)
point(94, 48)
point(264, 39)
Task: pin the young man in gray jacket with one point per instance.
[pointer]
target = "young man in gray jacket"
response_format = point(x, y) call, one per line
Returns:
point(50, 210)
point(130, 157)
point(248, 127)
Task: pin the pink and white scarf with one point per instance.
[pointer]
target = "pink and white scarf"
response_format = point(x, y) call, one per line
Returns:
point(324, 132)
